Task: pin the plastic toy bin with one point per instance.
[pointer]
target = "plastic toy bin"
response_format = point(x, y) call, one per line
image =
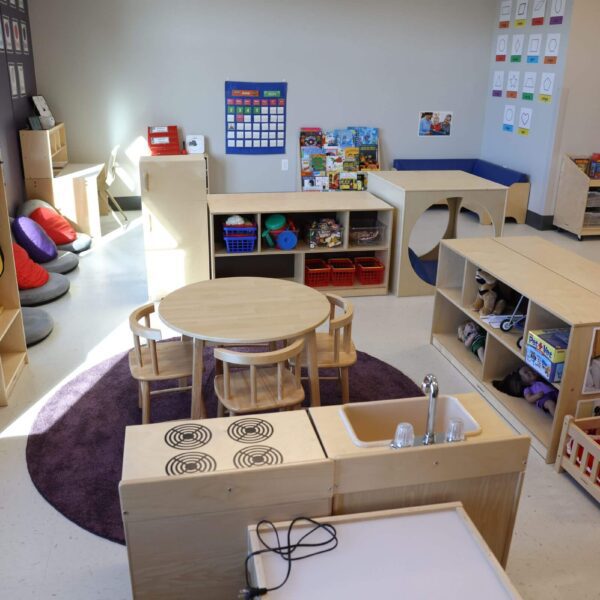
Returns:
point(369, 270)
point(239, 238)
point(342, 272)
point(317, 273)
point(367, 236)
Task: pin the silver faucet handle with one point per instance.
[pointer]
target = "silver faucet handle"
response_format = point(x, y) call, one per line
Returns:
point(430, 385)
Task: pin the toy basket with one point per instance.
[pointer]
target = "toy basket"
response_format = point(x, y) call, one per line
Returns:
point(317, 273)
point(239, 238)
point(369, 270)
point(367, 236)
point(342, 272)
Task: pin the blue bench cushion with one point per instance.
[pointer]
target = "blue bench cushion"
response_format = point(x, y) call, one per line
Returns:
point(501, 175)
point(425, 269)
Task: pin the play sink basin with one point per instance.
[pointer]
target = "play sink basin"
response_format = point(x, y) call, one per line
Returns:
point(374, 423)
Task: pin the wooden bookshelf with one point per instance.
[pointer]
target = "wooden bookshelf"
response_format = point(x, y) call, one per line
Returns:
point(554, 301)
point(13, 350)
point(265, 261)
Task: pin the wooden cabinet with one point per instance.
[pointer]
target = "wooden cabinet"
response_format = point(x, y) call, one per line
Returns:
point(577, 209)
point(350, 210)
point(13, 352)
point(72, 188)
point(555, 301)
point(175, 219)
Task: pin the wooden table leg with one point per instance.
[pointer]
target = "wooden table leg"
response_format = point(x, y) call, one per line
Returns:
point(198, 408)
point(313, 369)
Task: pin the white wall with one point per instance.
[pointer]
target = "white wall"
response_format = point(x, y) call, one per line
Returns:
point(111, 68)
point(532, 154)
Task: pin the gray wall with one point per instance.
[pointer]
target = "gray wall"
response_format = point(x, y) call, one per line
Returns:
point(110, 68)
point(532, 154)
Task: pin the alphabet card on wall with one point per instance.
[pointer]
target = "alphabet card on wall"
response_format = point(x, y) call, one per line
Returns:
point(547, 87)
point(255, 117)
point(525, 116)
point(508, 121)
point(505, 12)
point(557, 11)
point(538, 13)
point(521, 13)
point(552, 46)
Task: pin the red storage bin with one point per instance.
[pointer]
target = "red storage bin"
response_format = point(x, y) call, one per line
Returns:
point(342, 272)
point(317, 273)
point(369, 270)
point(163, 140)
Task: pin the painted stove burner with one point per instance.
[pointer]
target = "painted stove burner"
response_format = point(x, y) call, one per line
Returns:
point(188, 436)
point(250, 430)
point(189, 463)
point(257, 456)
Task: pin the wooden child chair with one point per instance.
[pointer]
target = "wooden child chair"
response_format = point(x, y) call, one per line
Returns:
point(154, 361)
point(268, 384)
point(335, 349)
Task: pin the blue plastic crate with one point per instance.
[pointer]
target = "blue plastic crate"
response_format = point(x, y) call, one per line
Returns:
point(240, 243)
point(240, 230)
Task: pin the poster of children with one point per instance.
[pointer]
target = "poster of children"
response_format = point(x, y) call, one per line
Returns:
point(435, 122)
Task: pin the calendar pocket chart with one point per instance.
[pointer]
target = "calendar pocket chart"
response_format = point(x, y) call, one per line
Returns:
point(255, 117)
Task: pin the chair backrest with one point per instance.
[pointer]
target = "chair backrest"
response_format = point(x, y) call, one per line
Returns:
point(261, 359)
point(340, 327)
point(111, 166)
point(146, 332)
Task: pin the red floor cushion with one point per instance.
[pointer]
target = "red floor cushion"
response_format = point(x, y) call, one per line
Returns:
point(55, 225)
point(29, 274)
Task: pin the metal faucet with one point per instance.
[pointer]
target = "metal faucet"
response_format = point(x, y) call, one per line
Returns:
point(430, 387)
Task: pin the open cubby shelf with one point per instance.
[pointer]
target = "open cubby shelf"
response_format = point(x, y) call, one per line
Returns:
point(554, 301)
point(348, 208)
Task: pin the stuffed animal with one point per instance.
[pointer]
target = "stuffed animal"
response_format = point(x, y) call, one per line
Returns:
point(473, 338)
point(488, 300)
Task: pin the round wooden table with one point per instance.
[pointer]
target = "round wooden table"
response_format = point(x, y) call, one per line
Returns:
point(245, 310)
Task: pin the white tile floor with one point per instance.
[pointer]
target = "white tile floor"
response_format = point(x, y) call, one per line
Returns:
point(43, 555)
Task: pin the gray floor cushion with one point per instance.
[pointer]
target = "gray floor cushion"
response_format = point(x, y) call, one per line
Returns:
point(30, 205)
point(83, 242)
point(63, 263)
point(38, 325)
point(54, 288)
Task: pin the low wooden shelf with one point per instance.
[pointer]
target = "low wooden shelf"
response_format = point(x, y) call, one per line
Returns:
point(13, 350)
point(554, 301)
point(572, 199)
point(265, 261)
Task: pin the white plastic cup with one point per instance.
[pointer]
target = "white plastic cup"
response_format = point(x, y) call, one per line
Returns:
point(456, 431)
point(405, 436)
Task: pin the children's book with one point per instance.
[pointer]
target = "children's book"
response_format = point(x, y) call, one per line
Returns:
point(345, 137)
point(335, 163)
point(368, 158)
point(318, 164)
point(348, 181)
point(366, 136)
point(311, 136)
point(333, 151)
point(306, 154)
point(330, 138)
point(314, 184)
point(351, 159)
point(334, 180)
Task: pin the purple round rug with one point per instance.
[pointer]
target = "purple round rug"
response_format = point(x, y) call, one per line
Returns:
point(75, 447)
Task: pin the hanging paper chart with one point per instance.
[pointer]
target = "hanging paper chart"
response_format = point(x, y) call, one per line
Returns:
point(255, 117)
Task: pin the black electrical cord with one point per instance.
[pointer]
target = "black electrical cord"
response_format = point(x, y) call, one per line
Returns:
point(286, 551)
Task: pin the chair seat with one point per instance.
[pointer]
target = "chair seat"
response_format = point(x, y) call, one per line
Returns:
point(266, 391)
point(325, 354)
point(174, 359)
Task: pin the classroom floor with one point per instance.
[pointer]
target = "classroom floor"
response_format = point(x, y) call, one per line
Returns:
point(556, 544)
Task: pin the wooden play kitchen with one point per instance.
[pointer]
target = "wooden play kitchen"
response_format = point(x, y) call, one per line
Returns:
point(442, 540)
point(282, 237)
point(190, 489)
point(411, 193)
point(563, 292)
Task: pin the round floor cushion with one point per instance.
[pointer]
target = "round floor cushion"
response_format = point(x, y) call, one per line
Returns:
point(56, 286)
point(83, 242)
point(29, 274)
point(63, 263)
point(38, 325)
point(30, 205)
point(34, 240)
point(56, 226)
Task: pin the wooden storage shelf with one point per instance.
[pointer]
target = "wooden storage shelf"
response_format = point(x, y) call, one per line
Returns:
point(554, 301)
point(13, 350)
point(572, 197)
point(346, 207)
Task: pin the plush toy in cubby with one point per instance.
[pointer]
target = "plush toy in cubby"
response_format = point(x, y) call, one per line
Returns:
point(524, 382)
point(473, 337)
